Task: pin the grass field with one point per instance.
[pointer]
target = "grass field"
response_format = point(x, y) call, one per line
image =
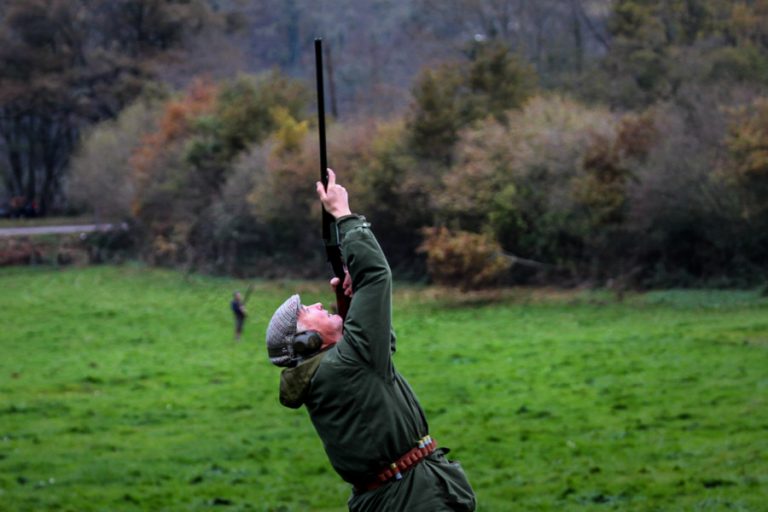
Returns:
point(121, 389)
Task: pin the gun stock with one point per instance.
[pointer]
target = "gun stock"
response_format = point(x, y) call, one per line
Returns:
point(329, 229)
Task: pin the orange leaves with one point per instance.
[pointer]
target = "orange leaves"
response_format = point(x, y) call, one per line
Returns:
point(459, 258)
point(150, 156)
point(174, 124)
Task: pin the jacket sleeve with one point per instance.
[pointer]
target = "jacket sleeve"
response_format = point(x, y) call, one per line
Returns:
point(368, 325)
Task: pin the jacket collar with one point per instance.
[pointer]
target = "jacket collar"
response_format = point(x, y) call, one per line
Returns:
point(294, 382)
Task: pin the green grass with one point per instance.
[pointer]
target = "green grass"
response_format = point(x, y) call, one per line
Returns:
point(121, 389)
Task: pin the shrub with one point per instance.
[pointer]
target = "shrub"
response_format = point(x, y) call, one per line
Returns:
point(182, 167)
point(466, 260)
point(517, 179)
point(683, 221)
point(101, 177)
point(397, 192)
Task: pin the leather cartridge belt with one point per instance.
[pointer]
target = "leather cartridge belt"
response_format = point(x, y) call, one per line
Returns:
point(395, 470)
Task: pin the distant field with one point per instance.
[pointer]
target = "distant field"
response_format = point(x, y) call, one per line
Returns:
point(121, 389)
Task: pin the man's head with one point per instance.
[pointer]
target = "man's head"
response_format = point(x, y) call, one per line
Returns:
point(289, 321)
point(237, 296)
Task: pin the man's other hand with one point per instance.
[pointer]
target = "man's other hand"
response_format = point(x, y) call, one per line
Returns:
point(346, 285)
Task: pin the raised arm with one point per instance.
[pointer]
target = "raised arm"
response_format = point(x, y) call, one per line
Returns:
point(368, 325)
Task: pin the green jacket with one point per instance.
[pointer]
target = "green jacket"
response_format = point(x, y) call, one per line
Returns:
point(363, 410)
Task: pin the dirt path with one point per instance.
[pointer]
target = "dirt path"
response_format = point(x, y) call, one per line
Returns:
point(58, 230)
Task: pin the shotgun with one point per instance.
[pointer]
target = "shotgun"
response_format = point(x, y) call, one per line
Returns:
point(330, 230)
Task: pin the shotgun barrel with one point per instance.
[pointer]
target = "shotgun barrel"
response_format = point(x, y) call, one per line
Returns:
point(330, 230)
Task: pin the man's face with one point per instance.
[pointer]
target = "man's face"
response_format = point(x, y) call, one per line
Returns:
point(315, 318)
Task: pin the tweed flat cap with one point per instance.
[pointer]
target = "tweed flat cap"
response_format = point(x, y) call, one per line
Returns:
point(280, 332)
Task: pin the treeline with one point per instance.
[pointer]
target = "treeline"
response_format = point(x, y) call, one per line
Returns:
point(638, 158)
point(65, 65)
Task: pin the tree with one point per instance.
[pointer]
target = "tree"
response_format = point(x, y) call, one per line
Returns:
point(101, 179)
point(436, 116)
point(68, 64)
point(181, 168)
point(516, 179)
point(603, 187)
point(557, 37)
point(657, 47)
point(747, 166)
point(489, 82)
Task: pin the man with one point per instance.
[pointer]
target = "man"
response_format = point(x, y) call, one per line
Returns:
point(373, 429)
point(238, 309)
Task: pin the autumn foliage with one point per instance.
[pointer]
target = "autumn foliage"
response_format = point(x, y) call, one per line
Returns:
point(746, 167)
point(462, 259)
point(747, 141)
point(176, 123)
point(646, 166)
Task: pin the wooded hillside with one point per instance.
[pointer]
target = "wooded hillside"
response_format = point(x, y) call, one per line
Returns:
point(489, 141)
